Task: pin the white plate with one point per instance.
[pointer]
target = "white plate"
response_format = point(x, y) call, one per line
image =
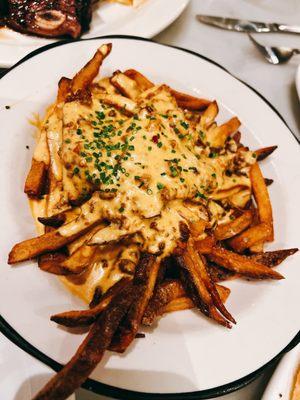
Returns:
point(146, 20)
point(283, 379)
point(186, 352)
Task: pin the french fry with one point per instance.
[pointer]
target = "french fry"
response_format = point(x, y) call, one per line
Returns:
point(238, 225)
point(51, 262)
point(220, 274)
point(79, 260)
point(125, 85)
point(218, 135)
point(196, 289)
point(122, 103)
point(200, 263)
point(189, 102)
point(257, 248)
point(209, 115)
point(63, 90)
point(164, 293)
point(264, 152)
point(36, 179)
point(90, 352)
point(87, 317)
point(206, 245)
point(273, 258)
point(51, 241)
point(262, 198)
point(140, 79)
point(242, 265)
point(256, 234)
point(89, 72)
point(185, 303)
point(179, 304)
point(143, 283)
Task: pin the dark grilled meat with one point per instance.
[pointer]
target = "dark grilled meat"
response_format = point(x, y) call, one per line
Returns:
point(50, 18)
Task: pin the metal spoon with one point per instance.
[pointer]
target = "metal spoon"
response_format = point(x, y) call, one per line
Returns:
point(275, 55)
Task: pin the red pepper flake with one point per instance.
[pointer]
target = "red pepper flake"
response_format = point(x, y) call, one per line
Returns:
point(155, 139)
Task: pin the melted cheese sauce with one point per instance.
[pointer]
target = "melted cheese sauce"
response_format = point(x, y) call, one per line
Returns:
point(148, 170)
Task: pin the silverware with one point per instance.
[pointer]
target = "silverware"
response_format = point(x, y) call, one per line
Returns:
point(275, 55)
point(241, 25)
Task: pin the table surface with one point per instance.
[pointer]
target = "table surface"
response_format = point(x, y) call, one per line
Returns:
point(236, 53)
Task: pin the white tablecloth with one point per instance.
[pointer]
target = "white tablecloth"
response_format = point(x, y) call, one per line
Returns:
point(20, 374)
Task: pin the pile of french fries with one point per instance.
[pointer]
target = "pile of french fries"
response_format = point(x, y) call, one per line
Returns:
point(206, 253)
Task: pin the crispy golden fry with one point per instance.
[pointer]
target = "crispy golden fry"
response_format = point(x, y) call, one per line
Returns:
point(125, 85)
point(273, 258)
point(217, 136)
point(80, 259)
point(209, 115)
point(264, 152)
point(36, 179)
point(90, 352)
point(48, 242)
point(189, 102)
point(179, 304)
point(256, 234)
point(64, 86)
point(51, 262)
point(257, 248)
point(238, 225)
point(140, 79)
point(206, 245)
point(197, 228)
point(143, 283)
point(89, 72)
point(262, 198)
point(185, 303)
point(88, 317)
point(164, 293)
point(242, 265)
point(200, 263)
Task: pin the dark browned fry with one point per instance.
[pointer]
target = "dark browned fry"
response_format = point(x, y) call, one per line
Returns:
point(200, 263)
point(143, 283)
point(196, 289)
point(264, 152)
point(88, 317)
point(232, 228)
point(164, 293)
point(189, 102)
point(36, 178)
point(220, 274)
point(90, 352)
point(242, 265)
point(273, 258)
point(51, 262)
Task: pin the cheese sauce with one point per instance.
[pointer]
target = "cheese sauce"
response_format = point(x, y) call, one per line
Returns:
point(148, 169)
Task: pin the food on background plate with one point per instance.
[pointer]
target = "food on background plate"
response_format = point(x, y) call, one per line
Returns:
point(51, 18)
point(144, 204)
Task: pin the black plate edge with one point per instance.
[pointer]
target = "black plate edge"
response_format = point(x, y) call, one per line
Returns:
point(111, 391)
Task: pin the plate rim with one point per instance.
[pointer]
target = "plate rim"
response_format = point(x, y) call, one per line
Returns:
point(108, 390)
